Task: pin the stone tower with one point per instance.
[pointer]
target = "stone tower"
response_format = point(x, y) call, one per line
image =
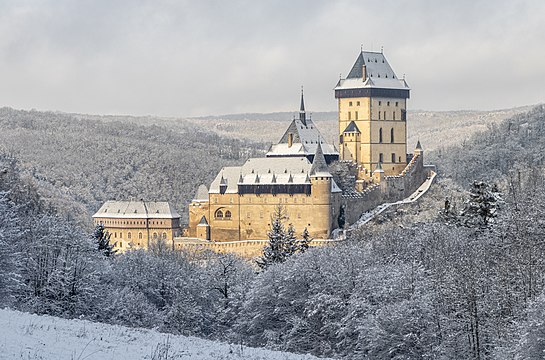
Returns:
point(372, 104)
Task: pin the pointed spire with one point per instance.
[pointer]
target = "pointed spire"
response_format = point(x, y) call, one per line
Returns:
point(302, 114)
point(379, 167)
point(418, 146)
point(318, 163)
point(203, 221)
point(240, 179)
point(257, 179)
point(290, 179)
point(273, 179)
point(223, 181)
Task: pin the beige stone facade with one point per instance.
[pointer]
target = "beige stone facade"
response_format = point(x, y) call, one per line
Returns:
point(135, 224)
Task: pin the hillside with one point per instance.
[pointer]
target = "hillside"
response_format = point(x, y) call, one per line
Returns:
point(52, 338)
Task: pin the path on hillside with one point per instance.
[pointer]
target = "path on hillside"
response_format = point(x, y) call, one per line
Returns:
point(369, 215)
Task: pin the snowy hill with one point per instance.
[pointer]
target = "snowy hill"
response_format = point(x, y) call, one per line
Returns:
point(28, 336)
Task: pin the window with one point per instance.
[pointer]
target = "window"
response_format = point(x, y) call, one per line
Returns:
point(392, 136)
point(121, 244)
point(140, 235)
point(397, 103)
point(248, 215)
point(388, 103)
point(356, 115)
point(379, 115)
point(154, 236)
point(227, 215)
point(219, 214)
point(350, 103)
point(381, 158)
point(298, 215)
point(394, 115)
point(393, 157)
point(164, 236)
point(128, 235)
point(380, 135)
point(358, 103)
point(403, 115)
point(261, 214)
point(349, 115)
point(385, 115)
point(115, 234)
point(379, 103)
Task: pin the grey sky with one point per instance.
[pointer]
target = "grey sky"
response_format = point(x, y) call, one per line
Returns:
point(186, 58)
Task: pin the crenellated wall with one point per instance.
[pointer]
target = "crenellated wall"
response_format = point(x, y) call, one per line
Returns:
point(390, 189)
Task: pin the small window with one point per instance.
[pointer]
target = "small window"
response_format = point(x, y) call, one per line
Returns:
point(357, 103)
point(121, 244)
point(388, 103)
point(394, 114)
point(164, 236)
point(392, 136)
point(248, 215)
point(128, 235)
point(349, 115)
point(379, 103)
point(380, 135)
point(379, 115)
point(350, 103)
point(397, 103)
point(140, 235)
point(356, 115)
point(381, 158)
point(219, 214)
point(393, 157)
point(385, 115)
point(155, 236)
point(261, 214)
point(228, 214)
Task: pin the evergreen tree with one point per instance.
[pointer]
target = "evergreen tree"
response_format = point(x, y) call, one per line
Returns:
point(274, 251)
point(304, 243)
point(102, 239)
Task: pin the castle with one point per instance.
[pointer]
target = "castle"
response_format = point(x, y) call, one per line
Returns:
point(235, 212)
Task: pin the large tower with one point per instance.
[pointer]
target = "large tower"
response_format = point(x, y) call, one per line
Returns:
point(372, 116)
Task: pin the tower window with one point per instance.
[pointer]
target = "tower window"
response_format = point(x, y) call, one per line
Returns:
point(227, 215)
point(350, 103)
point(219, 214)
point(356, 115)
point(388, 103)
point(140, 235)
point(394, 115)
point(358, 103)
point(393, 157)
point(379, 103)
point(349, 115)
point(385, 115)
point(128, 235)
point(154, 236)
point(380, 135)
point(397, 103)
point(379, 115)
point(392, 136)
point(164, 236)
point(381, 158)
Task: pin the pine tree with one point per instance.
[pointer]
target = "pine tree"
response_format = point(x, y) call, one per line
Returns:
point(102, 239)
point(274, 251)
point(304, 243)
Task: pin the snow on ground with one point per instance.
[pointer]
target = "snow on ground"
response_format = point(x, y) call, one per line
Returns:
point(28, 336)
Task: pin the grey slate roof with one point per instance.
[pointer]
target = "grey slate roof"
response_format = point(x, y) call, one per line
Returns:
point(137, 210)
point(379, 73)
point(202, 193)
point(203, 222)
point(305, 141)
point(352, 127)
point(319, 165)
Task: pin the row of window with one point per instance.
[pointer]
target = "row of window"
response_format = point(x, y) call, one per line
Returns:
point(264, 199)
point(379, 103)
point(381, 115)
point(115, 222)
point(381, 158)
point(140, 235)
point(392, 139)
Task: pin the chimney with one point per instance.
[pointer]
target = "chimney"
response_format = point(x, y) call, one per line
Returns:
point(364, 72)
point(290, 139)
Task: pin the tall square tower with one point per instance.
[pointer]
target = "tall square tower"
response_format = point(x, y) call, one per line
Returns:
point(372, 104)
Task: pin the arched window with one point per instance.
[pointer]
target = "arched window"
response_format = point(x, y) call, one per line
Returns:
point(164, 236)
point(128, 235)
point(392, 135)
point(380, 135)
point(154, 236)
point(140, 235)
point(219, 214)
point(394, 115)
point(228, 214)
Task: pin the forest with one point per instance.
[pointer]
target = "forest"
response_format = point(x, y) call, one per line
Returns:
point(459, 275)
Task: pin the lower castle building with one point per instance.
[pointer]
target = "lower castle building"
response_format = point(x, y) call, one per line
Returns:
point(135, 224)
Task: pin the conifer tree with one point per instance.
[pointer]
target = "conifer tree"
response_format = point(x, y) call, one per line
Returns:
point(102, 239)
point(304, 243)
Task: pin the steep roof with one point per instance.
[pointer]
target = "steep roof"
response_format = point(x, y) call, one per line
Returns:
point(352, 127)
point(379, 73)
point(201, 194)
point(305, 141)
point(319, 165)
point(137, 210)
point(203, 222)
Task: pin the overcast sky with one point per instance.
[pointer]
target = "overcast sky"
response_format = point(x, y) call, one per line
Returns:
point(188, 58)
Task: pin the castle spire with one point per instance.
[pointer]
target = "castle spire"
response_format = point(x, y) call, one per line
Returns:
point(319, 164)
point(302, 114)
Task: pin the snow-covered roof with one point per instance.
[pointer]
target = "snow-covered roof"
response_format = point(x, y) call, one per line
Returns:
point(304, 142)
point(379, 74)
point(137, 210)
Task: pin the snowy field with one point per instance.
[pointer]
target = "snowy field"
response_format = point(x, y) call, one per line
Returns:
point(27, 336)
